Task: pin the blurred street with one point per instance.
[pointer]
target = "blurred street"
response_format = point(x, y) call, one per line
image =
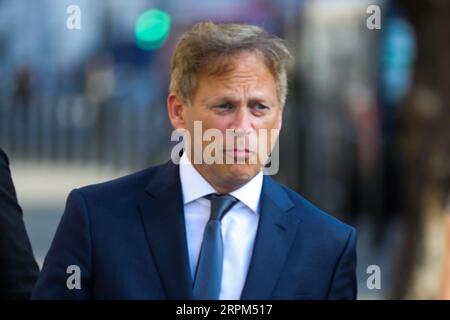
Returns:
point(42, 191)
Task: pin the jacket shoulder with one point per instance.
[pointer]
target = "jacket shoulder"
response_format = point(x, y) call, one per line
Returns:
point(119, 189)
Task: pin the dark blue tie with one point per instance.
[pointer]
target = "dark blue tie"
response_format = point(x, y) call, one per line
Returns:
point(208, 275)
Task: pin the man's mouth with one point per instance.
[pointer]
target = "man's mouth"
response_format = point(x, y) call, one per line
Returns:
point(239, 153)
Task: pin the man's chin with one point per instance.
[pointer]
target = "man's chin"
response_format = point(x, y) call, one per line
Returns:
point(241, 172)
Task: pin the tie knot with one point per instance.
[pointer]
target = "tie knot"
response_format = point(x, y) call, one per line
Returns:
point(220, 205)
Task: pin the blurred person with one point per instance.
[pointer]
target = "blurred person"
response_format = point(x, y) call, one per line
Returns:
point(22, 94)
point(425, 146)
point(205, 231)
point(18, 269)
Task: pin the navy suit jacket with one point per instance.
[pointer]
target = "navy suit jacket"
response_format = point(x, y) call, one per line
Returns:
point(18, 269)
point(128, 238)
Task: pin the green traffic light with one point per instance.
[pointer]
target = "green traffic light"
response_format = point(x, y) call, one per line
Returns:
point(152, 29)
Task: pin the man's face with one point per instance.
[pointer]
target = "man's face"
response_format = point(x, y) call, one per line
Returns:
point(242, 101)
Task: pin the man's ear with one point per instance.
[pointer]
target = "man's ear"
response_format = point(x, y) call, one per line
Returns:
point(175, 109)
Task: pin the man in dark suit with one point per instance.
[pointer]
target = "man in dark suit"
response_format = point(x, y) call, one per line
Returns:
point(206, 228)
point(18, 269)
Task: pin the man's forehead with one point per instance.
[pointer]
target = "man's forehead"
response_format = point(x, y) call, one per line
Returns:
point(223, 65)
point(240, 75)
point(215, 90)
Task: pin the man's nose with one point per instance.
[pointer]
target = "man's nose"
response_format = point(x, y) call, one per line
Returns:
point(242, 120)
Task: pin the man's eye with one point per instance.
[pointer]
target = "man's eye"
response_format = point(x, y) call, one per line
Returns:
point(260, 107)
point(224, 106)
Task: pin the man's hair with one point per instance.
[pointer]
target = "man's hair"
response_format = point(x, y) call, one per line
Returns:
point(210, 47)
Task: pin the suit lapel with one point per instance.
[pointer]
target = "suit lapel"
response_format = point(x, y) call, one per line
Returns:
point(163, 216)
point(162, 213)
point(276, 231)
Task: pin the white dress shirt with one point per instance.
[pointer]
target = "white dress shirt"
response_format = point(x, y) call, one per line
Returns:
point(239, 226)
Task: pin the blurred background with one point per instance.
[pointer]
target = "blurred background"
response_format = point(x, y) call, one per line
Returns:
point(366, 132)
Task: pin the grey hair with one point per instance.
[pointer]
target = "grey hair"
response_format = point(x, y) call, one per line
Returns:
point(206, 44)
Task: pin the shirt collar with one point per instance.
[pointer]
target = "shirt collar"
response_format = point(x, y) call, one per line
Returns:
point(194, 186)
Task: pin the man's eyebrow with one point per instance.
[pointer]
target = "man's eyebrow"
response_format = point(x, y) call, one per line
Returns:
point(229, 98)
point(209, 99)
point(219, 97)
